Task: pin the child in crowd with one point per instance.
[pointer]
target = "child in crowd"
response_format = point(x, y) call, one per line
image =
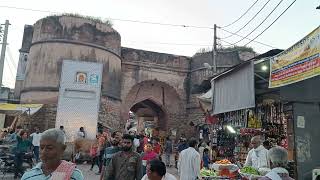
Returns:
point(206, 158)
point(94, 155)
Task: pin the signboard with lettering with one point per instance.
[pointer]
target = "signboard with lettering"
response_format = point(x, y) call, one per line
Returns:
point(79, 98)
point(298, 63)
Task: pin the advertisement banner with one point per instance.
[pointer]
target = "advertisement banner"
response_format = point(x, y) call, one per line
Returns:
point(298, 63)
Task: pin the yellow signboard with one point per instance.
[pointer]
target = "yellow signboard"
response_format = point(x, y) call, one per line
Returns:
point(299, 62)
point(31, 108)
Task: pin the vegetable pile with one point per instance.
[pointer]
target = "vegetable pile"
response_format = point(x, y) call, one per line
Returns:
point(224, 161)
point(206, 173)
point(249, 170)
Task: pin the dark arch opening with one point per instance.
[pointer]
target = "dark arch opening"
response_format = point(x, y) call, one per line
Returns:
point(149, 116)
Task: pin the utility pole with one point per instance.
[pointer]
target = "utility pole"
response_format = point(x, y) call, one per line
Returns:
point(3, 49)
point(214, 49)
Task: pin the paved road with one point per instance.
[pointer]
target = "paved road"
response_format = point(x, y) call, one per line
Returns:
point(85, 168)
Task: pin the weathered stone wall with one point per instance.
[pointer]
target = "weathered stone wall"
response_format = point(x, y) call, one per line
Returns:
point(109, 114)
point(130, 76)
point(45, 118)
point(139, 66)
point(159, 77)
point(163, 95)
point(44, 70)
point(77, 29)
point(199, 73)
point(23, 59)
point(57, 38)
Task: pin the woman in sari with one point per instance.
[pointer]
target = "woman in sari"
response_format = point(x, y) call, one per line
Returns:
point(52, 147)
point(147, 156)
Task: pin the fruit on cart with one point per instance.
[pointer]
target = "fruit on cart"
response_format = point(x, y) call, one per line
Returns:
point(250, 170)
point(207, 172)
point(224, 161)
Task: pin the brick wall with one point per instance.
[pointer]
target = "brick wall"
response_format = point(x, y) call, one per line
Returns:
point(45, 118)
point(109, 114)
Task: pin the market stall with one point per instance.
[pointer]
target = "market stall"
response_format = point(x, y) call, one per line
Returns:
point(245, 107)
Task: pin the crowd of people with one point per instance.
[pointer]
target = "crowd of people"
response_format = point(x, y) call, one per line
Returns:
point(193, 158)
point(130, 156)
point(134, 157)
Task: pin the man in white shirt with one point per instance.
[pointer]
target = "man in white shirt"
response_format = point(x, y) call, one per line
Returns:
point(156, 170)
point(81, 134)
point(258, 156)
point(189, 162)
point(36, 142)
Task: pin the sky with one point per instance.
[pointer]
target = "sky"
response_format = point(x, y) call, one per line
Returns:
point(299, 20)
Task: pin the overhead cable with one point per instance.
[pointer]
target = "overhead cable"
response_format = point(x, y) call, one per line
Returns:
point(11, 58)
point(259, 24)
point(241, 15)
point(137, 21)
point(11, 72)
point(246, 38)
point(249, 20)
point(271, 23)
point(116, 19)
point(165, 43)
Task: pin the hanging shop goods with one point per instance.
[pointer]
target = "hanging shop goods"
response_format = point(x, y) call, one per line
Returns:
point(267, 120)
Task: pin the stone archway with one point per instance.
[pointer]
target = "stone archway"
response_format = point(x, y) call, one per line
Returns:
point(150, 113)
point(154, 99)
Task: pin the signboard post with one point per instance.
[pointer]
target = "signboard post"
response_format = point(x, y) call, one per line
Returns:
point(79, 98)
point(298, 63)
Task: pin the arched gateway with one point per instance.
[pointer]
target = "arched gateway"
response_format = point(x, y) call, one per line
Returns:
point(155, 104)
point(158, 87)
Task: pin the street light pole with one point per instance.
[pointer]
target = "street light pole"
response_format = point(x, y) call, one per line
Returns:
point(214, 49)
point(3, 49)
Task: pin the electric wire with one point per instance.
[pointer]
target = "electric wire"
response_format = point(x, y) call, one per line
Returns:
point(259, 24)
point(246, 38)
point(146, 22)
point(116, 19)
point(249, 20)
point(271, 23)
point(11, 72)
point(241, 15)
point(11, 58)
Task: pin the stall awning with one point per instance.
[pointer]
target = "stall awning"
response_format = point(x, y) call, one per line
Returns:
point(234, 89)
point(17, 109)
point(206, 97)
point(205, 101)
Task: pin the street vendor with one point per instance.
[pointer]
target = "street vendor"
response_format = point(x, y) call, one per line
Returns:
point(278, 157)
point(258, 155)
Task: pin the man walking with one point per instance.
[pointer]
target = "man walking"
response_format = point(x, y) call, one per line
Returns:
point(168, 149)
point(111, 151)
point(36, 143)
point(101, 148)
point(81, 134)
point(125, 165)
point(189, 162)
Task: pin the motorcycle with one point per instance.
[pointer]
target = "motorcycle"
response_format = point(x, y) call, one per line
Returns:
point(7, 163)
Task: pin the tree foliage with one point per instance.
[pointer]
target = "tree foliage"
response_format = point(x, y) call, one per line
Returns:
point(237, 48)
point(91, 18)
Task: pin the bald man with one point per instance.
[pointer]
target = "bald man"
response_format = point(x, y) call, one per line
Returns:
point(258, 155)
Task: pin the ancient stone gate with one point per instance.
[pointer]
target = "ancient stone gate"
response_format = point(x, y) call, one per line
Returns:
point(158, 86)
